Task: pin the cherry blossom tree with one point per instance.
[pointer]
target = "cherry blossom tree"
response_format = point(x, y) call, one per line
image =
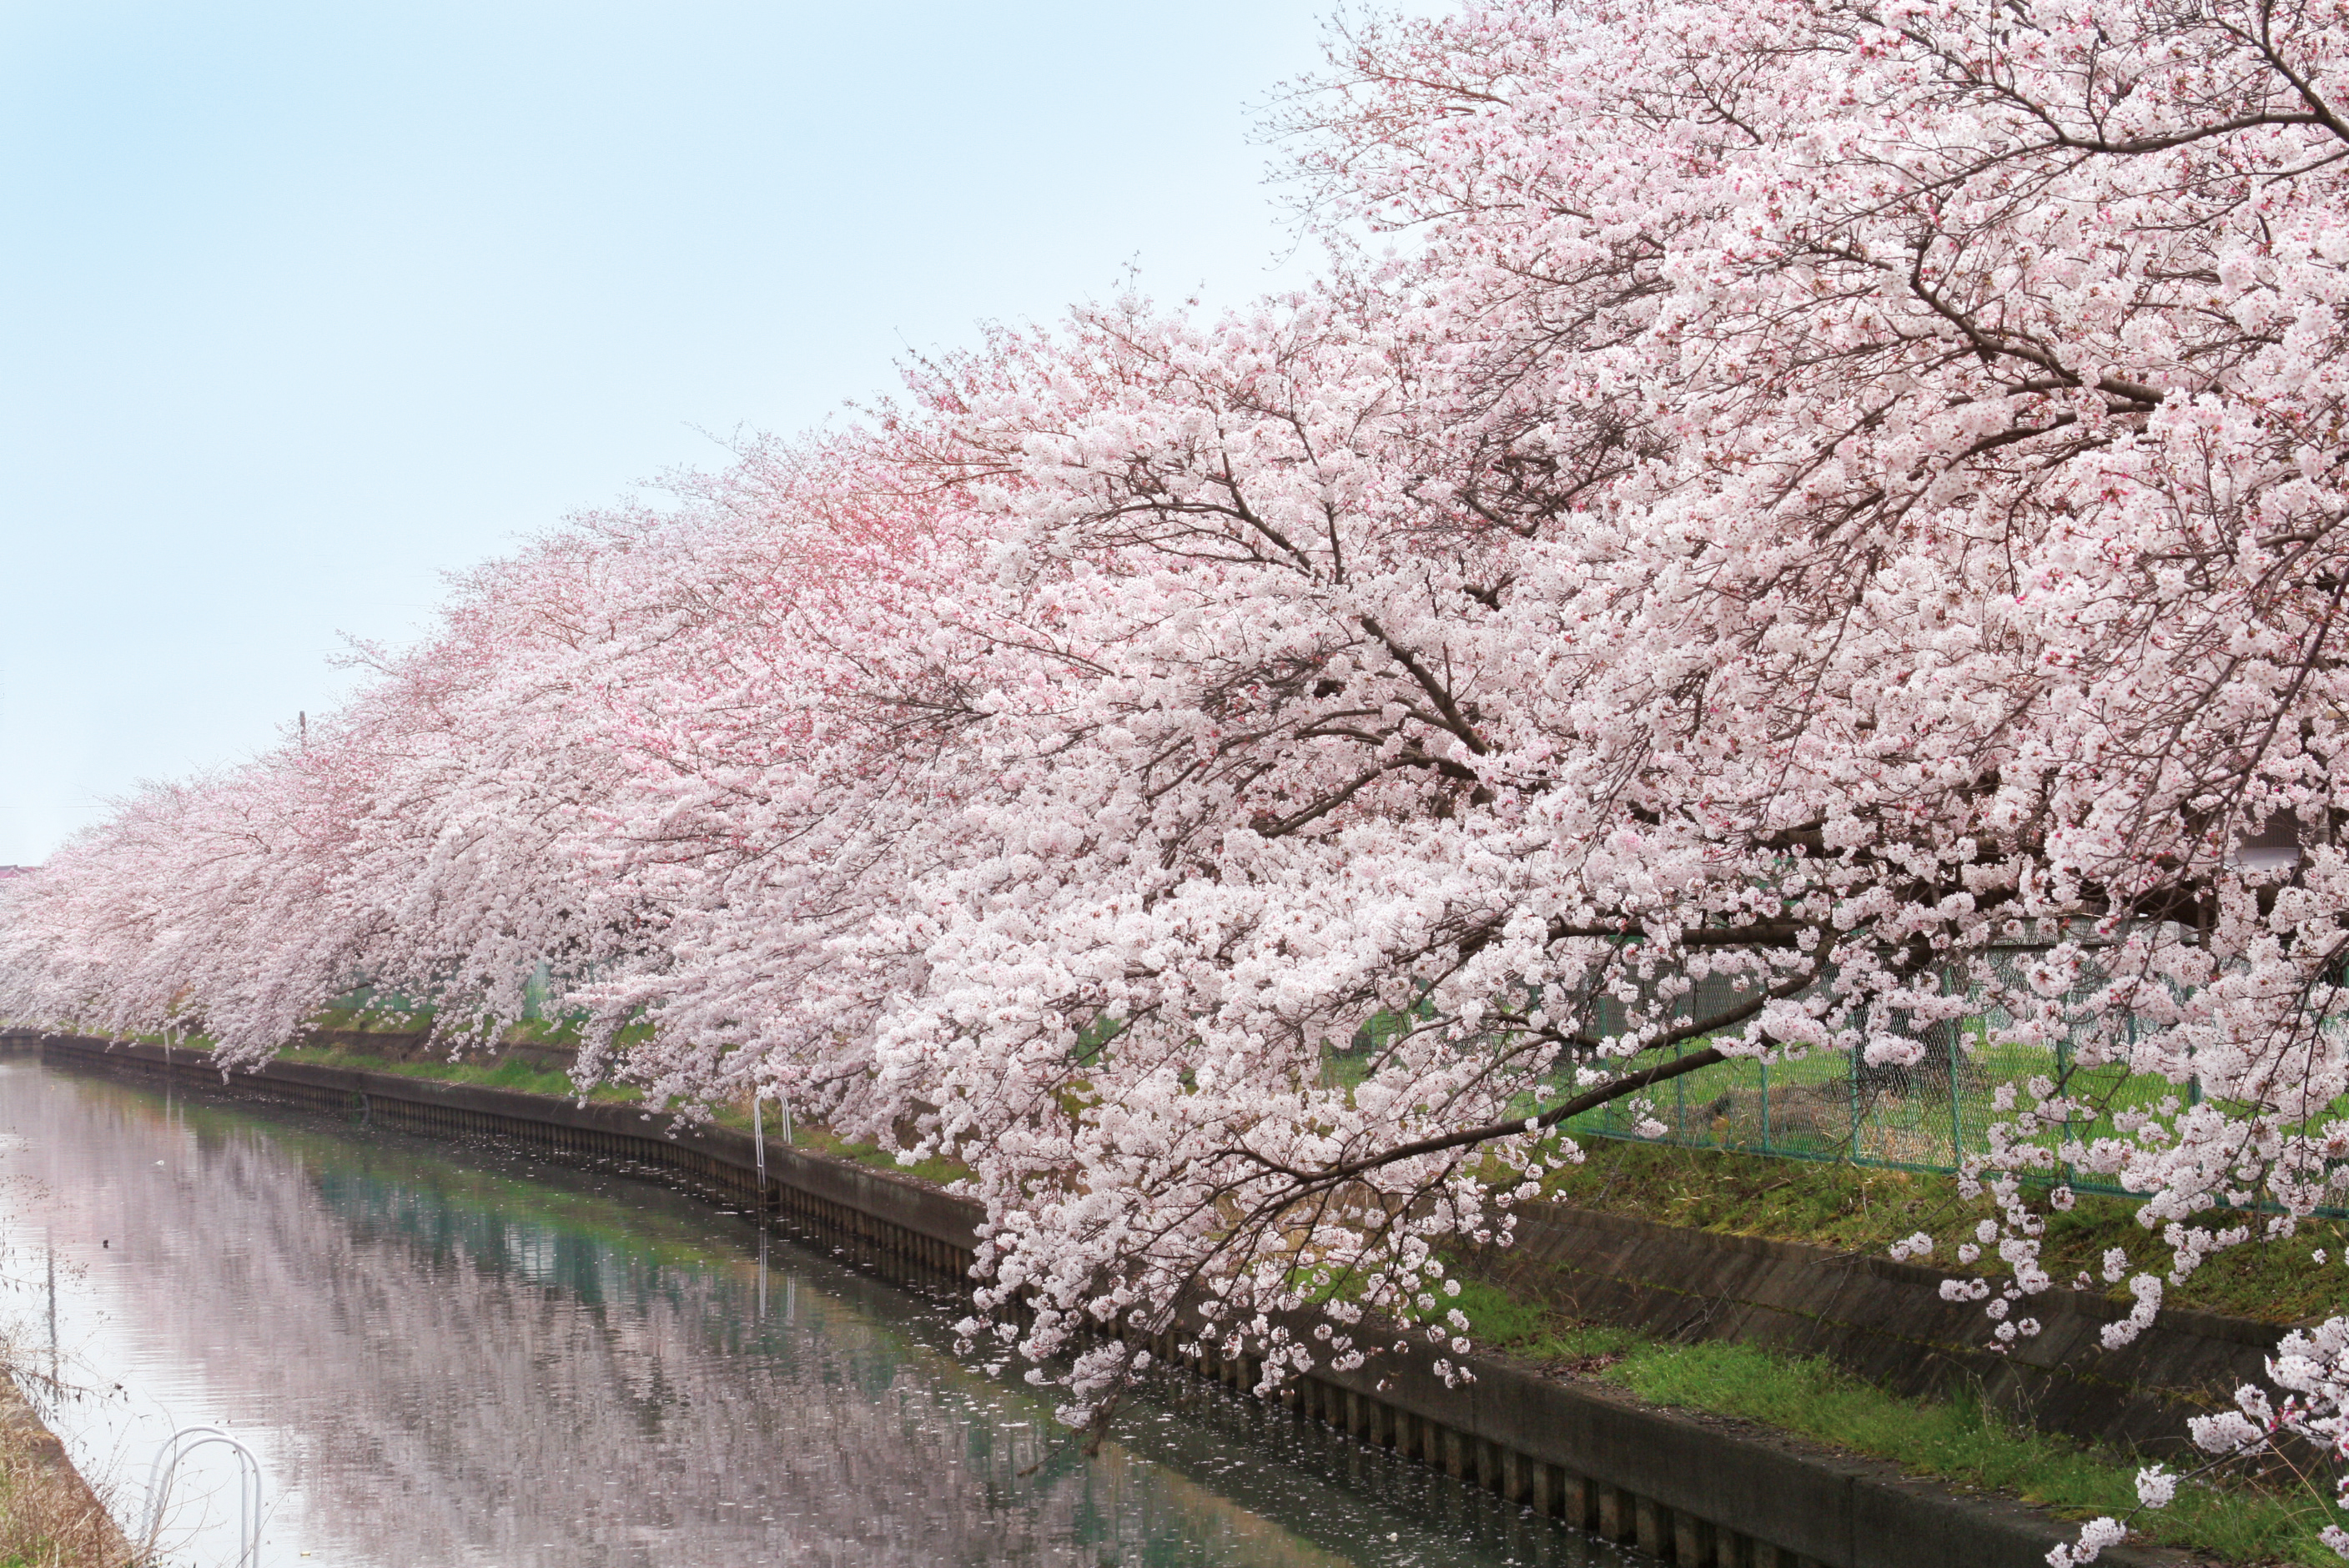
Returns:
point(1814, 494)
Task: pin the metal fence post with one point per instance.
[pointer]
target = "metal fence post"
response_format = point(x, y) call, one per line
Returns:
point(2064, 1076)
point(1680, 1095)
point(1852, 1076)
point(1957, 1116)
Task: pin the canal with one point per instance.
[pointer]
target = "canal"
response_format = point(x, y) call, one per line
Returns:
point(455, 1353)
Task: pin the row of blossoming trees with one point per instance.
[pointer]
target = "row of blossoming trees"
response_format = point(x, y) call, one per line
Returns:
point(1816, 490)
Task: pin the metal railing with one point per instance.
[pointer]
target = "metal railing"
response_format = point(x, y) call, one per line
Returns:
point(166, 1468)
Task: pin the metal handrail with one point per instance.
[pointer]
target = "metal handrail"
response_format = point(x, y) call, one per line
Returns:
point(248, 1488)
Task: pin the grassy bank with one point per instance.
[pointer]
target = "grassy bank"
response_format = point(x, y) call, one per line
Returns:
point(508, 1072)
point(1963, 1443)
point(523, 1077)
point(50, 1516)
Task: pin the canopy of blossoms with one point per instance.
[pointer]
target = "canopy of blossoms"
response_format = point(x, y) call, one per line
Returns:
point(1812, 492)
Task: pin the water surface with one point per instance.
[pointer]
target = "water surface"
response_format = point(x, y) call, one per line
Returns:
point(463, 1354)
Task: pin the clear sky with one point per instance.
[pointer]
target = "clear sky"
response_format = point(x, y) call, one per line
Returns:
point(306, 305)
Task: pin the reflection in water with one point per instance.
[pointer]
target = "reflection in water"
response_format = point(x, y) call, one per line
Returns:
point(462, 1353)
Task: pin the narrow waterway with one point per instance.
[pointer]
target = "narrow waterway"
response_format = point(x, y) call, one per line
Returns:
point(462, 1353)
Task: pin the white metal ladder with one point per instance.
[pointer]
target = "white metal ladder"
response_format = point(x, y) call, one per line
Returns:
point(248, 1488)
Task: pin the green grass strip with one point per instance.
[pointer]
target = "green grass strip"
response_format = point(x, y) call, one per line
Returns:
point(511, 1073)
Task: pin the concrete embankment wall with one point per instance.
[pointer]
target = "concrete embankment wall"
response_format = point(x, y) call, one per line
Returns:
point(1887, 1321)
point(1689, 1490)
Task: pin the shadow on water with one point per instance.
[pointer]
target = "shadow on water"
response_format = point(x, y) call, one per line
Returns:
point(460, 1353)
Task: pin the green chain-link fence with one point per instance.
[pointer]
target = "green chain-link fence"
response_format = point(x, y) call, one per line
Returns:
point(1836, 1106)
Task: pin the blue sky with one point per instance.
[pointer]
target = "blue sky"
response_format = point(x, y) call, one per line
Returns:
point(307, 304)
